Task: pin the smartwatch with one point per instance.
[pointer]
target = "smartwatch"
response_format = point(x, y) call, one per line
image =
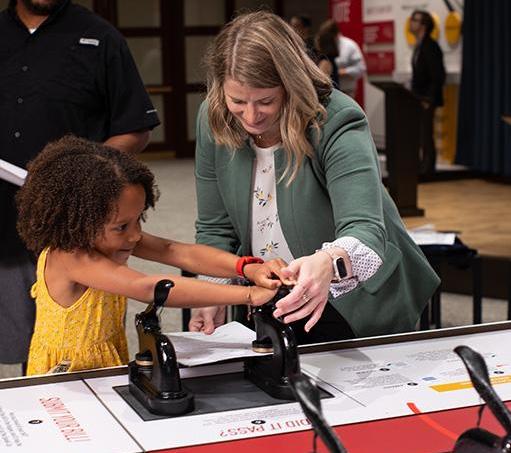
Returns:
point(338, 266)
point(340, 271)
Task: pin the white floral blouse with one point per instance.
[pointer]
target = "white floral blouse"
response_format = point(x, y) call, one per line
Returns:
point(268, 240)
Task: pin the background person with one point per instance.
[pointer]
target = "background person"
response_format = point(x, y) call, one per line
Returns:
point(286, 166)
point(350, 63)
point(326, 47)
point(302, 24)
point(428, 77)
point(63, 70)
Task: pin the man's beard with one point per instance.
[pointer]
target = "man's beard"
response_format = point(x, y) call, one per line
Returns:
point(42, 9)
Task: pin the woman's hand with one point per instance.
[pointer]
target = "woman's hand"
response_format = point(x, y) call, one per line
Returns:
point(207, 319)
point(313, 275)
point(269, 274)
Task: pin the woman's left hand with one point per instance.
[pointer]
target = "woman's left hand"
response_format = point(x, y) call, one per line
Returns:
point(313, 274)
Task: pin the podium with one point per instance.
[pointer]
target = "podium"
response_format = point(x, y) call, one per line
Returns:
point(402, 143)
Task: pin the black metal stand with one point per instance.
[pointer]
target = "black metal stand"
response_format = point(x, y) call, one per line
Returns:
point(154, 374)
point(272, 373)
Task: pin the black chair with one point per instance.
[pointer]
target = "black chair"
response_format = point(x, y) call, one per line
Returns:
point(461, 257)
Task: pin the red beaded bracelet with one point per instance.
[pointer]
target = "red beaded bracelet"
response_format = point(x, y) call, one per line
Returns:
point(243, 261)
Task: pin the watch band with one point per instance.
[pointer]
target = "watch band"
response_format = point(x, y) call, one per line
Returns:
point(243, 261)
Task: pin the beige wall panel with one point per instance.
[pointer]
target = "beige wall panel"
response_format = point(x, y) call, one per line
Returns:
point(204, 13)
point(193, 102)
point(158, 133)
point(195, 47)
point(147, 55)
point(137, 13)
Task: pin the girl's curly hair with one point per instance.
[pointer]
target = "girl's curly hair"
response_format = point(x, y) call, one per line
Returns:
point(71, 190)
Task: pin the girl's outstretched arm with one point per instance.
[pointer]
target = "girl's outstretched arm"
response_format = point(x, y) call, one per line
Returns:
point(196, 258)
point(97, 271)
point(204, 260)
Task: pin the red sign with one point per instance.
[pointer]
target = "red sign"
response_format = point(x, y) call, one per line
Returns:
point(380, 62)
point(379, 33)
point(348, 16)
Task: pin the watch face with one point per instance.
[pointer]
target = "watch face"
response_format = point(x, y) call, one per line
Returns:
point(341, 268)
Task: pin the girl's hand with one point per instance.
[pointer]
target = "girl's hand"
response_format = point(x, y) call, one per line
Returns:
point(265, 274)
point(259, 295)
point(207, 319)
point(313, 274)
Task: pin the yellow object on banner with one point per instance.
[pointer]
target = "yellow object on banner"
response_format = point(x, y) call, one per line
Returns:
point(452, 28)
point(468, 384)
point(446, 125)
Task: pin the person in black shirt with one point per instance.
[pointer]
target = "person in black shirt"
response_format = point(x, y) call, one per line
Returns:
point(63, 70)
point(428, 77)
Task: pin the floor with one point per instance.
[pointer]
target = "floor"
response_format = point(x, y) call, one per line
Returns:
point(479, 209)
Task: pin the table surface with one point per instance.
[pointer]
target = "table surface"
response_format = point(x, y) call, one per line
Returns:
point(399, 393)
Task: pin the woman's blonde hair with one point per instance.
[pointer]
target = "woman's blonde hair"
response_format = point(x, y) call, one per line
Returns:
point(261, 50)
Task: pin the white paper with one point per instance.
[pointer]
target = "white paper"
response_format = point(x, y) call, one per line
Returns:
point(11, 173)
point(232, 340)
point(433, 238)
point(427, 235)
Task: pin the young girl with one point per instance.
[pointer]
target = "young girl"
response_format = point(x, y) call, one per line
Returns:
point(80, 209)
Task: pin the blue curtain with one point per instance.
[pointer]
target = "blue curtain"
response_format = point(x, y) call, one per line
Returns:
point(484, 139)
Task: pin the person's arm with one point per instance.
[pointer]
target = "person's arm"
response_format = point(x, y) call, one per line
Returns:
point(131, 115)
point(195, 258)
point(325, 66)
point(203, 259)
point(359, 261)
point(352, 179)
point(97, 271)
point(352, 63)
point(133, 142)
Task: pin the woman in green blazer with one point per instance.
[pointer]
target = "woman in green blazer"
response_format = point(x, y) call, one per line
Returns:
point(286, 167)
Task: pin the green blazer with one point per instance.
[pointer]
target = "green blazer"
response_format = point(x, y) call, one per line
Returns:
point(336, 193)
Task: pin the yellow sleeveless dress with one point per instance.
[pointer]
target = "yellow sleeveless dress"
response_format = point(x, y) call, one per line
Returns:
point(88, 334)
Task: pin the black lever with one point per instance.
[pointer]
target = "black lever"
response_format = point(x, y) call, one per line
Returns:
point(477, 439)
point(307, 394)
point(478, 372)
point(154, 374)
point(271, 373)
